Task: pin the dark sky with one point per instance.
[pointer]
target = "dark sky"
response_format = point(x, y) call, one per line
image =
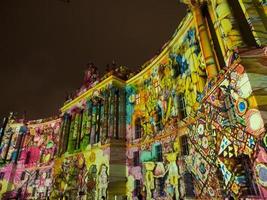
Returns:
point(45, 45)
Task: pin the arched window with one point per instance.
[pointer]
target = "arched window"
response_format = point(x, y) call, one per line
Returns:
point(138, 128)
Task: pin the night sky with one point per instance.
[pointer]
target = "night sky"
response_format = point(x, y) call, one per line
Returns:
point(46, 44)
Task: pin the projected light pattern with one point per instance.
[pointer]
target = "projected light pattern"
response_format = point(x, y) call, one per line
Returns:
point(190, 124)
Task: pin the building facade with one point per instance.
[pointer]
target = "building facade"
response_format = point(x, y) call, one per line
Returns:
point(191, 124)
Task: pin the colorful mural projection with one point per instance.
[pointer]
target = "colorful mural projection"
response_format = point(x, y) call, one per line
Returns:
point(191, 124)
point(28, 174)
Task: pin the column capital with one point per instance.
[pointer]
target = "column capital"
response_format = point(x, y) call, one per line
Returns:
point(194, 3)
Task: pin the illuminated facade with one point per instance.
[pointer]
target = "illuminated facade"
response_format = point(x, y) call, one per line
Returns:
point(190, 125)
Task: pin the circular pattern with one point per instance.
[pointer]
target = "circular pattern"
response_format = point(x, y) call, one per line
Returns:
point(205, 142)
point(240, 69)
point(254, 122)
point(240, 135)
point(211, 191)
point(241, 106)
point(132, 98)
point(212, 98)
point(202, 168)
point(50, 144)
point(200, 129)
point(261, 170)
point(92, 157)
point(80, 162)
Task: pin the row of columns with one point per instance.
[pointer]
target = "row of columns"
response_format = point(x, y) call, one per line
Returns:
point(100, 119)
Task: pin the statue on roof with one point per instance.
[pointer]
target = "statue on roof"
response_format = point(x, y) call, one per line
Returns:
point(91, 75)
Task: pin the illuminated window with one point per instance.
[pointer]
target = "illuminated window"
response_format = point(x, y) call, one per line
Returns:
point(184, 145)
point(182, 106)
point(137, 98)
point(138, 128)
point(189, 185)
point(136, 158)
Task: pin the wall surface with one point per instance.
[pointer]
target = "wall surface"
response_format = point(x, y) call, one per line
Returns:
point(190, 125)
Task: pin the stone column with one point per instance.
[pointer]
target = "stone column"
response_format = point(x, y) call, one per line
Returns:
point(203, 35)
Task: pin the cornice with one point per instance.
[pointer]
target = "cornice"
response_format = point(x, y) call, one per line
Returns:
point(110, 80)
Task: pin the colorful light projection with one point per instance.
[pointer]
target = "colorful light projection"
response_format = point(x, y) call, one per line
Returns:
point(190, 124)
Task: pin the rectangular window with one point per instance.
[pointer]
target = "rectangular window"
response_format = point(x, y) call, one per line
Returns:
point(22, 177)
point(2, 175)
point(37, 174)
point(137, 187)
point(159, 153)
point(160, 185)
point(184, 145)
point(182, 106)
point(33, 191)
point(138, 128)
point(28, 156)
point(244, 171)
point(79, 129)
point(47, 192)
point(136, 158)
point(189, 185)
point(48, 173)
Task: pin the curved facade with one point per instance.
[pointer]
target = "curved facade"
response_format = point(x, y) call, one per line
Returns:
point(190, 125)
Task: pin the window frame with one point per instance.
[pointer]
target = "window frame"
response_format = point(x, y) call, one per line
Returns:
point(136, 158)
point(2, 175)
point(182, 106)
point(159, 157)
point(138, 128)
point(28, 157)
point(184, 145)
point(22, 176)
point(189, 184)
